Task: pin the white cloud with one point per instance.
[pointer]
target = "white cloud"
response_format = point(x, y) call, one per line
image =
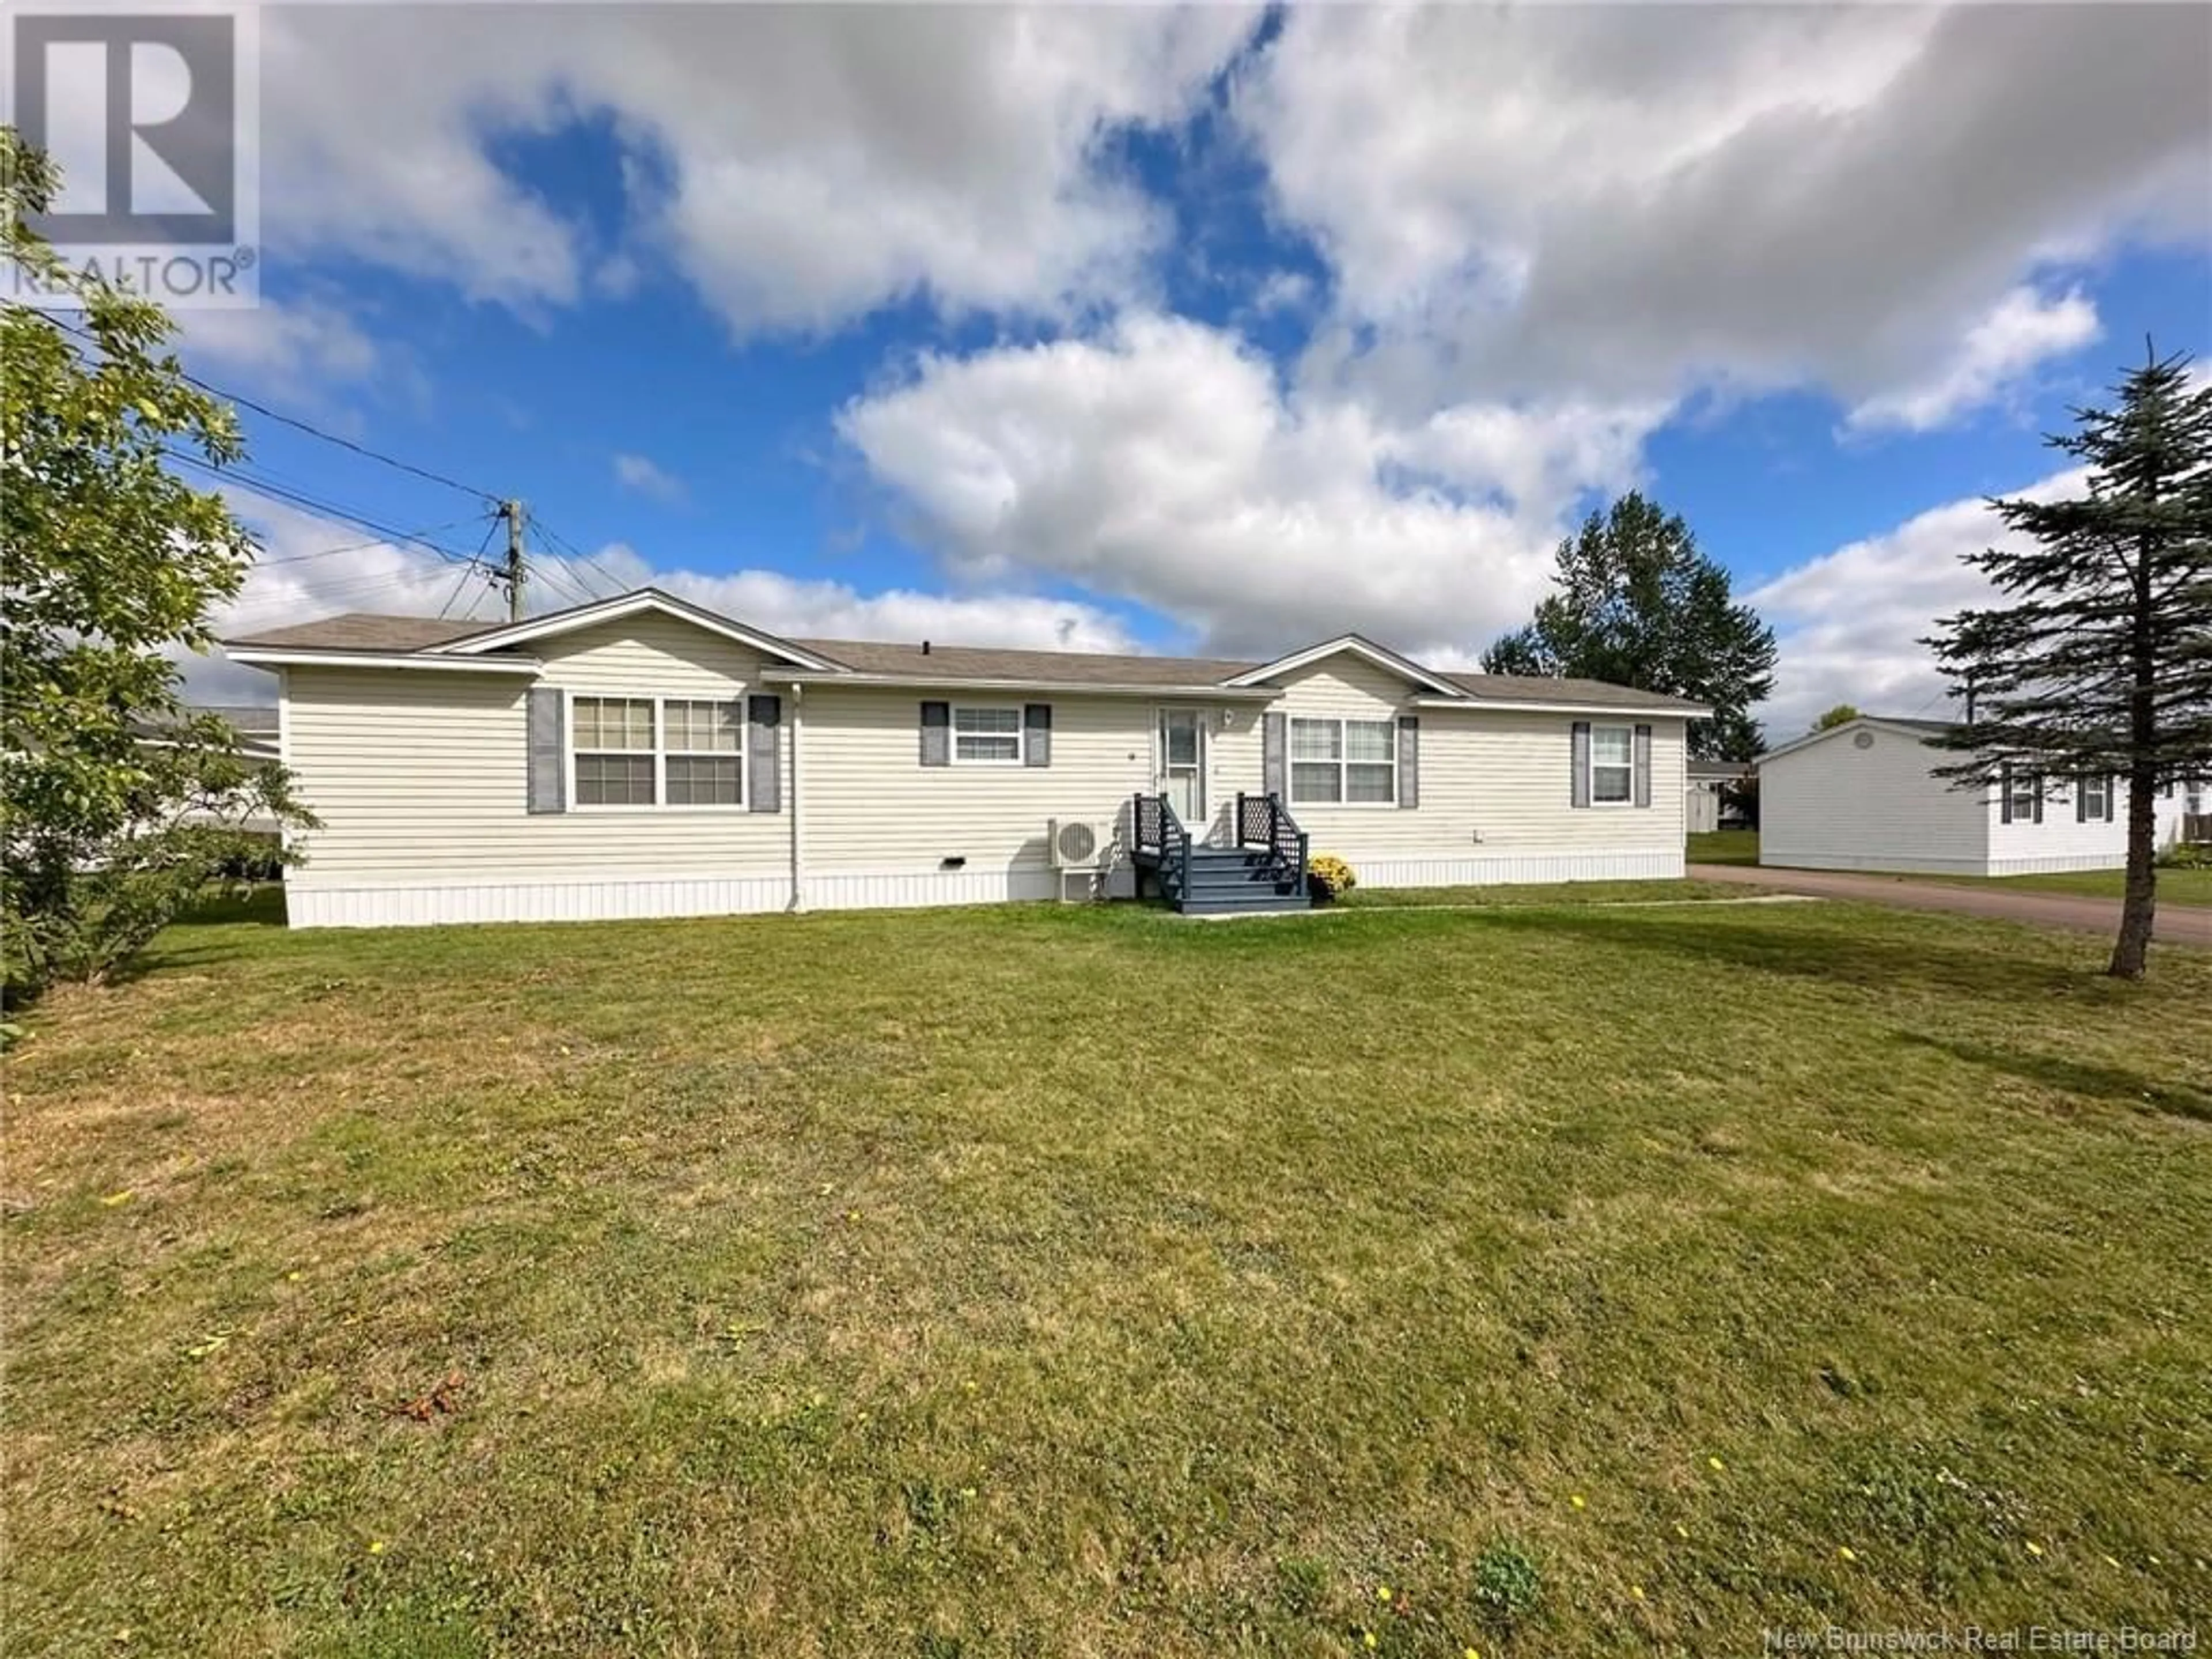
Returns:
point(648, 478)
point(1621, 202)
point(314, 566)
point(274, 341)
point(1165, 462)
point(801, 166)
point(1850, 621)
point(2023, 331)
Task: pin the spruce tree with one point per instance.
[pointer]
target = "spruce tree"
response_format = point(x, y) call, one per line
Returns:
point(2096, 658)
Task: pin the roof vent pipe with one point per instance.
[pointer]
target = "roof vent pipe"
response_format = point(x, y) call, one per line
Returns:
point(925, 647)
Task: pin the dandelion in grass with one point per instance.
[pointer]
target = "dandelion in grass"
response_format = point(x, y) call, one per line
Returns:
point(1637, 1590)
point(1681, 1531)
point(376, 1547)
point(1368, 1638)
point(1715, 1464)
point(2034, 1549)
point(1383, 1592)
point(1845, 1553)
point(1576, 1500)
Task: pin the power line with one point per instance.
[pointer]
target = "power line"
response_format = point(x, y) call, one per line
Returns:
point(313, 503)
point(309, 427)
point(477, 563)
point(577, 555)
point(417, 538)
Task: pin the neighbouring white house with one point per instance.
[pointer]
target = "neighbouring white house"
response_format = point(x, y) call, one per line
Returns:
point(645, 757)
point(1864, 796)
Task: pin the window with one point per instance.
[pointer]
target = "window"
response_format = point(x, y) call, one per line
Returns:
point(613, 751)
point(1612, 765)
point(2021, 790)
point(987, 737)
point(2096, 797)
point(673, 751)
point(1352, 761)
point(705, 745)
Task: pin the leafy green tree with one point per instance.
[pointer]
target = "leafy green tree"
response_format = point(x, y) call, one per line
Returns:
point(1842, 714)
point(2096, 658)
point(119, 804)
point(1638, 605)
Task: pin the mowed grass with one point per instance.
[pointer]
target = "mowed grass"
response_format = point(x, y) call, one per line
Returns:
point(2175, 885)
point(1725, 847)
point(1077, 1281)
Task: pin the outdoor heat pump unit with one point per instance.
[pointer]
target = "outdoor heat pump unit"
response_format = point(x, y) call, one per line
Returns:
point(1077, 844)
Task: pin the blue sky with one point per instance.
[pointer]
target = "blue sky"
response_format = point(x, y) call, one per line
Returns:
point(1210, 329)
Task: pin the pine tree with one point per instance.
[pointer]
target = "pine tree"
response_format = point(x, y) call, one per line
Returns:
point(1638, 604)
point(2096, 659)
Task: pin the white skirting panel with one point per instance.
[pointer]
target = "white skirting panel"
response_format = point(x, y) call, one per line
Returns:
point(1499, 868)
point(2116, 860)
point(494, 900)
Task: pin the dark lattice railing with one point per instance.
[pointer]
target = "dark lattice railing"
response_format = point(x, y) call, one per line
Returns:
point(1263, 821)
point(1159, 834)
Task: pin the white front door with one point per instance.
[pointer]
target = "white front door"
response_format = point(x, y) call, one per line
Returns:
point(1182, 765)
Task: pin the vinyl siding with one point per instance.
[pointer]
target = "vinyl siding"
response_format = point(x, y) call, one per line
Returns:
point(869, 806)
point(420, 776)
point(1833, 805)
point(419, 779)
point(2058, 843)
point(1495, 794)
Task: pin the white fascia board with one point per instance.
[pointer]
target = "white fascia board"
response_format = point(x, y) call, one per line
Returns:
point(282, 657)
point(628, 605)
point(1202, 693)
point(1388, 660)
point(1474, 703)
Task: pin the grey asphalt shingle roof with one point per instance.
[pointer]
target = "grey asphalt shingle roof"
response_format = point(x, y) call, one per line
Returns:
point(363, 631)
point(983, 663)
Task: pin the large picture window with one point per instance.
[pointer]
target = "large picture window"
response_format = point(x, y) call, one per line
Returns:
point(1351, 762)
point(986, 737)
point(667, 751)
point(1612, 765)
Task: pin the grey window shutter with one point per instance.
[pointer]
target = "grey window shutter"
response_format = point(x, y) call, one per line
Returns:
point(2081, 799)
point(1409, 760)
point(2038, 799)
point(1037, 734)
point(1580, 750)
point(1643, 766)
point(1275, 755)
point(2004, 792)
point(547, 719)
point(764, 754)
point(2111, 797)
point(937, 734)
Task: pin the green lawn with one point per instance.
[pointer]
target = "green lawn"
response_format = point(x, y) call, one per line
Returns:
point(2174, 885)
point(1045, 1281)
point(1725, 847)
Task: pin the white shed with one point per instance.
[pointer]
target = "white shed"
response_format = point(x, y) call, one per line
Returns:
point(1864, 796)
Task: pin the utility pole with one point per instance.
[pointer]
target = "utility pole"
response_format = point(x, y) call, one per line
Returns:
point(512, 511)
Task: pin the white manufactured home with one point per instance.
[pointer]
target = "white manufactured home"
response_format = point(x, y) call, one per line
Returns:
point(1864, 796)
point(644, 756)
